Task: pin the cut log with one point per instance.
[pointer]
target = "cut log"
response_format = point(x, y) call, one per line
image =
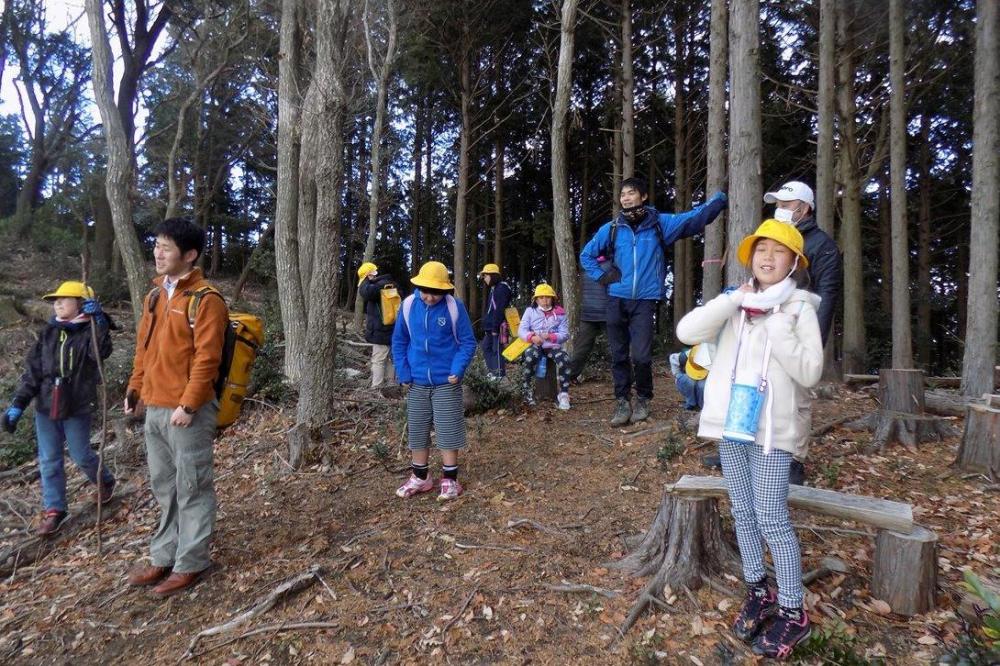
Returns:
point(980, 448)
point(682, 547)
point(546, 387)
point(945, 403)
point(904, 574)
point(902, 418)
point(942, 382)
point(881, 513)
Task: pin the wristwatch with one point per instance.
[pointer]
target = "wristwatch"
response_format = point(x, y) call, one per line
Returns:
point(188, 410)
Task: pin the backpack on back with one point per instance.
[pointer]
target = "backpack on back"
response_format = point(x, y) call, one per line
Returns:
point(452, 312)
point(244, 336)
point(389, 301)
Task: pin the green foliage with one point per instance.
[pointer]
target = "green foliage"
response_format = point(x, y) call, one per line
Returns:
point(19, 447)
point(268, 380)
point(981, 645)
point(488, 394)
point(831, 472)
point(832, 646)
point(672, 447)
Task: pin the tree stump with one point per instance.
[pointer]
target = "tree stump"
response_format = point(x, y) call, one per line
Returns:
point(901, 417)
point(683, 545)
point(980, 448)
point(547, 388)
point(904, 574)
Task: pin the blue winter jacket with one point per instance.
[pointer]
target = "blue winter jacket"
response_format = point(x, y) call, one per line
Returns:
point(426, 352)
point(638, 254)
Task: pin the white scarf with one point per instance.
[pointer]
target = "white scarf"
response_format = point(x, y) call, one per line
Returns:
point(774, 295)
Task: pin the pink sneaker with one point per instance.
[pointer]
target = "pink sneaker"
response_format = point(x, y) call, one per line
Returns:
point(450, 489)
point(415, 486)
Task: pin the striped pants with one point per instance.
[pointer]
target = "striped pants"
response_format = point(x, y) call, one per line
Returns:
point(758, 493)
point(441, 405)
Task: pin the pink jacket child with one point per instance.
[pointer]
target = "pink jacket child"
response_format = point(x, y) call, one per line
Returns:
point(544, 327)
point(551, 326)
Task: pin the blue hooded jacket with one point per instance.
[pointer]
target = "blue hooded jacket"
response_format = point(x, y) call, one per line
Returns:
point(638, 254)
point(426, 352)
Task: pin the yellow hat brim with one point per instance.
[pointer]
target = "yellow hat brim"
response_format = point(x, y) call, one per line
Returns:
point(694, 371)
point(746, 245)
point(431, 284)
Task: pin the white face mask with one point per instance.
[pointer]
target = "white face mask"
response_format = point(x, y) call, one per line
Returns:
point(785, 215)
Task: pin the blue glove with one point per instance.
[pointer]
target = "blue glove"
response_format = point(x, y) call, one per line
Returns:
point(11, 417)
point(92, 307)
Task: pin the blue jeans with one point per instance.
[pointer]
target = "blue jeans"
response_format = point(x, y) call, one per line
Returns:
point(693, 391)
point(495, 362)
point(74, 432)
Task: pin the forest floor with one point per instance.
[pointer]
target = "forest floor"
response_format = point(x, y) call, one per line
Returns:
point(549, 499)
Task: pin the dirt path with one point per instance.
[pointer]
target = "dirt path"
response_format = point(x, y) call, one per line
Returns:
point(412, 582)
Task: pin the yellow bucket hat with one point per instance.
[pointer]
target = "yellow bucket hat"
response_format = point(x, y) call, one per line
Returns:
point(70, 289)
point(782, 232)
point(544, 289)
point(365, 269)
point(692, 369)
point(433, 275)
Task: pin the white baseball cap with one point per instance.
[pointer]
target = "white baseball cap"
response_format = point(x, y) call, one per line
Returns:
point(791, 191)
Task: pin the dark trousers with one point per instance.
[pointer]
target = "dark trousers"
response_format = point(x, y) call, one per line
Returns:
point(490, 344)
point(630, 337)
point(583, 346)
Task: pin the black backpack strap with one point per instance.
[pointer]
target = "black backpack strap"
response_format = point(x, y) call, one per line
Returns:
point(611, 240)
point(195, 301)
point(659, 235)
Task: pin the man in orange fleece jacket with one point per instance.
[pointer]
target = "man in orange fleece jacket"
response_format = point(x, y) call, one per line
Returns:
point(174, 374)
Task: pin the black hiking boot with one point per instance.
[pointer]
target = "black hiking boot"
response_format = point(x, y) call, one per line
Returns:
point(623, 411)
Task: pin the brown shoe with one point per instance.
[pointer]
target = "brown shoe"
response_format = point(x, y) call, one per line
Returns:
point(141, 575)
point(51, 521)
point(177, 582)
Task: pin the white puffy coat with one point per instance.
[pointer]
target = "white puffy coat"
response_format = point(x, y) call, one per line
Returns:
point(796, 363)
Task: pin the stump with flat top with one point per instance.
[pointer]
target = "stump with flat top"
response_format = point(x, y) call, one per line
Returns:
point(683, 545)
point(546, 388)
point(980, 448)
point(904, 574)
point(902, 417)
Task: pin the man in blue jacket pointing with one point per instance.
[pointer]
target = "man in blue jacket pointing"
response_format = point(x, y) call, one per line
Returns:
point(636, 242)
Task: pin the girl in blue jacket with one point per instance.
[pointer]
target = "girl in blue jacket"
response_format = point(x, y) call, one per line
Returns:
point(432, 346)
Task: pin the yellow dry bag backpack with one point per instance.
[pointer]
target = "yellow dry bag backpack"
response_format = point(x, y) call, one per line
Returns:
point(389, 301)
point(244, 336)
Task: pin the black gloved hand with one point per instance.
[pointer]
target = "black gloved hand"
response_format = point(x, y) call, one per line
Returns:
point(610, 276)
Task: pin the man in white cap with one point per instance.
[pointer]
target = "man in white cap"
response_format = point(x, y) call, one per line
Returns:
point(794, 203)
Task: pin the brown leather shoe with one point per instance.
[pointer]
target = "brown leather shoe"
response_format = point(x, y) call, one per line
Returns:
point(141, 575)
point(177, 582)
point(51, 522)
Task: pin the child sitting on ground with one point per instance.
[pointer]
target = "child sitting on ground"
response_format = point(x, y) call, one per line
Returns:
point(752, 407)
point(432, 346)
point(690, 367)
point(61, 376)
point(545, 328)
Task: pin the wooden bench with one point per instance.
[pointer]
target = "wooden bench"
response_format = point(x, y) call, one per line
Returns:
point(904, 573)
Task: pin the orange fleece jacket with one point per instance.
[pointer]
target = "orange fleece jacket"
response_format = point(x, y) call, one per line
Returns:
point(179, 365)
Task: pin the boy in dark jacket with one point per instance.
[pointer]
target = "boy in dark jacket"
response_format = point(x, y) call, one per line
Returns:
point(378, 334)
point(497, 300)
point(61, 376)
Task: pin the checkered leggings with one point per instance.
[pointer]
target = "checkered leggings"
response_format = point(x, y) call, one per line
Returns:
point(758, 493)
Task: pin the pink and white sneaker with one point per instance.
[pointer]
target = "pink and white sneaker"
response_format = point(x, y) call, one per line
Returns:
point(450, 489)
point(415, 486)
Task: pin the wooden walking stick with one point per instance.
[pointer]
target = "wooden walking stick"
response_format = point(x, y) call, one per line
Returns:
point(104, 412)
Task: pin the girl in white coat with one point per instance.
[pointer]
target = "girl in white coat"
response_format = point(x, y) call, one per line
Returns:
point(769, 351)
